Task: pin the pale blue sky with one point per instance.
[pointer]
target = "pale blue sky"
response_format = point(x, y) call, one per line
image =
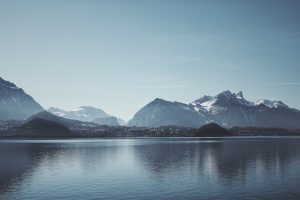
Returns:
point(119, 55)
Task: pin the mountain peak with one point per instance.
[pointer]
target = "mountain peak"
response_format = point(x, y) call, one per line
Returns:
point(240, 95)
point(89, 107)
point(203, 99)
point(158, 101)
point(7, 84)
point(15, 103)
point(226, 94)
point(160, 112)
point(41, 115)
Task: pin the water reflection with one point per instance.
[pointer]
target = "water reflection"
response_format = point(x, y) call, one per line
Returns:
point(17, 162)
point(134, 168)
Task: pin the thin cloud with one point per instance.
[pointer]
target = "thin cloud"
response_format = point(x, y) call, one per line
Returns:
point(281, 35)
point(223, 84)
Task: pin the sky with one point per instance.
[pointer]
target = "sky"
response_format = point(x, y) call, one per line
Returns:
point(118, 55)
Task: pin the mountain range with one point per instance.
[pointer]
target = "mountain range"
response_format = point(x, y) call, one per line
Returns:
point(88, 114)
point(15, 104)
point(227, 109)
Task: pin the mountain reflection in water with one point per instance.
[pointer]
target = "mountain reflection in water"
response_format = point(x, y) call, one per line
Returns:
point(155, 168)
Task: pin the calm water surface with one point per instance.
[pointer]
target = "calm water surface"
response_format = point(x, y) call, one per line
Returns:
point(154, 168)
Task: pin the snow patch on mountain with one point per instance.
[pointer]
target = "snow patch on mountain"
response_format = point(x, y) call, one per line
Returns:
point(270, 104)
point(87, 113)
point(208, 105)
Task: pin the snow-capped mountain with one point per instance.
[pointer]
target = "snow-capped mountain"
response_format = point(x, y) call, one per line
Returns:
point(227, 108)
point(270, 104)
point(15, 103)
point(230, 109)
point(83, 113)
point(88, 114)
point(221, 101)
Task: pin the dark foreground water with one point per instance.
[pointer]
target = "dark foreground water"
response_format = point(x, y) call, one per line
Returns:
point(159, 168)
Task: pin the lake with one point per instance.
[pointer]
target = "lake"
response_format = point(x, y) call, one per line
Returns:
point(151, 168)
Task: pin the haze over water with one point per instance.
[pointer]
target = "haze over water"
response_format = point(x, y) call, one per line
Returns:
point(160, 168)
